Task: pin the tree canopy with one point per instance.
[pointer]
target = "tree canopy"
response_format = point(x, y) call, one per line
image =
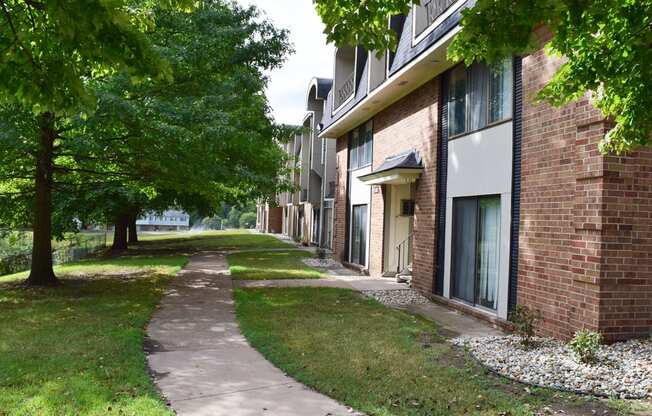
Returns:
point(606, 45)
point(163, 106)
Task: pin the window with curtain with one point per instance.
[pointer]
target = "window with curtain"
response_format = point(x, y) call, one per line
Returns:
point(360, 146)
point(358, 238)
point(479, 96)
point(488, 251)
point(476, 250)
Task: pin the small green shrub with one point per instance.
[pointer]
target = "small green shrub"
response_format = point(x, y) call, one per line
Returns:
point(525, 320)
point(585, 345)
point(248, 220)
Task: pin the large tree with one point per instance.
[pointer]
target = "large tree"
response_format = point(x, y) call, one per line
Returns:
point(607, 45)
point(50, 51)
point(202, 138)
point(198, 133)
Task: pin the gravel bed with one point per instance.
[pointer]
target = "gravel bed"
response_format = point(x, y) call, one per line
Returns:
point(323, 263)
point(397, 297)
point(622, 369)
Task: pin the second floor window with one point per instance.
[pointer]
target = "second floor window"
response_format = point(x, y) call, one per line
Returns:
point(360, 145)
point(427, 12)
point(479, 96)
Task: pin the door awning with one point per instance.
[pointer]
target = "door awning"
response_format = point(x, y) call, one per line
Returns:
point(399, 169)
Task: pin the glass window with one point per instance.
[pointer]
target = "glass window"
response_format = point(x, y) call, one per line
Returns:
point(353, 158)
point(476, 250)
point(500, 92)
point(366, 160)
point(360, 146)
point(477, 91)
point(457, 101)
point(479, 96)
point(359, 235)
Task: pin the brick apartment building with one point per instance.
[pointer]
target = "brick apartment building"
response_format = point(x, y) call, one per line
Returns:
point(306, 215)
point(457, 178)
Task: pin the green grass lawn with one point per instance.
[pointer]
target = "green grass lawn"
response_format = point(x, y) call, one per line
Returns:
point(264, 265)
point(78, 349)
point(378, 360)
point(211, 240)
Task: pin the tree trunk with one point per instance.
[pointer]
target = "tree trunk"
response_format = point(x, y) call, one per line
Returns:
point(120, 233)
point(41, 273)
point(133, 231)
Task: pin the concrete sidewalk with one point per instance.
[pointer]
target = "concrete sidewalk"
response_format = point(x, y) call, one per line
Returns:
point(343, 282)
point(203, 365)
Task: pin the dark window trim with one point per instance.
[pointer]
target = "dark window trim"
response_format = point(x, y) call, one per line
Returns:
point(517, 134)
point(442, 181)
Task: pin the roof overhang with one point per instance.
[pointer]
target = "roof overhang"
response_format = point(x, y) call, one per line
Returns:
point(398, 176)
point(432, 62)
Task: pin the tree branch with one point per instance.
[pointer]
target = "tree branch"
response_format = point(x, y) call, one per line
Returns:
point(29, 56)
point(65, 169)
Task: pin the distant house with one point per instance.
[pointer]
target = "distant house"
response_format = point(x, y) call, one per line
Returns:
point(171, 220)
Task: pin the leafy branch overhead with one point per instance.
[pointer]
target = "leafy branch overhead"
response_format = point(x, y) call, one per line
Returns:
point(606, 45)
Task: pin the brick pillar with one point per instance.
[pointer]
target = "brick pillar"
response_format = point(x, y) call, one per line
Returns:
point(339, 225)
point(377, 231)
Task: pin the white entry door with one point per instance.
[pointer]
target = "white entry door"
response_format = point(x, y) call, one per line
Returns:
point(398, 223)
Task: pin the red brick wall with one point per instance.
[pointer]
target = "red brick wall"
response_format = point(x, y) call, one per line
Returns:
point(586, 228)
point(626, 275)
point(559, 241)
point(376, 223)
point(410, 123)
point(339, 222)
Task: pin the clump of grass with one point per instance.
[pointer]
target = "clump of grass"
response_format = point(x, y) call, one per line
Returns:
point(77, 349)
point(269, 265)
point(378, 360)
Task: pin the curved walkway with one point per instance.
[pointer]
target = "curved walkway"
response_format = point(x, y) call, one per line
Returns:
point(203, 365)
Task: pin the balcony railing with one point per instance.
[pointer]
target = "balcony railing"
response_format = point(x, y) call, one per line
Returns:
point(304, 195)
point(344, 92)
point(432, 9)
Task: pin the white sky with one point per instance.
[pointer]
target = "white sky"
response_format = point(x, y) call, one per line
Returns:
point(312, 56)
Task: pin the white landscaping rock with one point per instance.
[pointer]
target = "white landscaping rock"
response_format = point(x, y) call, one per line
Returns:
point(622, 369)
point(321, 263)
point(396, 297)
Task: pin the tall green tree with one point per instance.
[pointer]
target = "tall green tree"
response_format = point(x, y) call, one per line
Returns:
point(197, 136)
point(607, 45)
point(50, 51)
point(206, 134)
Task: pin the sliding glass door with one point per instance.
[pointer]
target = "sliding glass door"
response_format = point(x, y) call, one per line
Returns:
point(476, 250)
point(359, 235)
